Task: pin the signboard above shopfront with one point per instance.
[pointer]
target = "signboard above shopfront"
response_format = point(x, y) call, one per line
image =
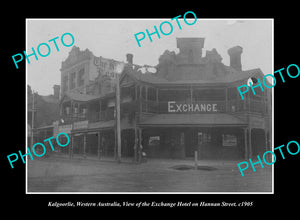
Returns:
point(65, 128)
point(174, 107)
point(80, 125)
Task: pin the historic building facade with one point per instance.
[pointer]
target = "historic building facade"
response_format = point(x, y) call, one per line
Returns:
point(190, 104)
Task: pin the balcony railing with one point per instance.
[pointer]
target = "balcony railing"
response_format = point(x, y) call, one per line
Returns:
point(257, 106)
point(101, 116)
point(74, 117)
point(177, 107)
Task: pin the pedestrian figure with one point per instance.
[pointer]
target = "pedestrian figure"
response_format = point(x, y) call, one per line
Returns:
point(144, 156)
point(140, 149)
point(135, 150)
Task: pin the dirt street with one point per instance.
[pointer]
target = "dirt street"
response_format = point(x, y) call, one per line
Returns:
point(57, 174)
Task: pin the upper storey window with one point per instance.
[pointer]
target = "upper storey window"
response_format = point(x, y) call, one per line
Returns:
point(65, 83)
point(80, 79)
point(72, 80)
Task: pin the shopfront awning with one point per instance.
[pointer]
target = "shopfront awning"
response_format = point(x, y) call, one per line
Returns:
point(206, 120)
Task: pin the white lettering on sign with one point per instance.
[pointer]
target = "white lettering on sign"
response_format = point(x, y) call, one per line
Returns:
point(169, 106)
point(106, 66)
point(174, 107)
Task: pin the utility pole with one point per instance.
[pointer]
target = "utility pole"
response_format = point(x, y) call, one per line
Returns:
point(118, 70)
point(32, 118)
point(118, 120)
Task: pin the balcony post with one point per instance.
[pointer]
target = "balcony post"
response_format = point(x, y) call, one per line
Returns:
point(100, 105)
point(226, 100)
point(146, 94)
point(99, 144)
point(245, 131)
point(84, 144)
point(140, 98)
point(157, 102)
point(248, 102)
point(71, 110)
point(72, 146)
point(250, 141)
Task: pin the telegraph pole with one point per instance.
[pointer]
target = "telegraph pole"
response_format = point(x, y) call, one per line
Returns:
point(32, 118)
point(118, 70)
point(118, 118)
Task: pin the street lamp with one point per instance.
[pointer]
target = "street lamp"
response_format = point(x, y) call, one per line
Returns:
point(118, 70)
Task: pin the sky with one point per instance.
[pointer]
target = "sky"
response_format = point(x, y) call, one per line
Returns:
point(114, 38)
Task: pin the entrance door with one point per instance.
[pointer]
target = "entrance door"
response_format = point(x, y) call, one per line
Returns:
point(190, 142)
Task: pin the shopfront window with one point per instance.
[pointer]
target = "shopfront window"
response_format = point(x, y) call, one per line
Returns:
point(229, 140)
point(154, 141)
point(204, 137)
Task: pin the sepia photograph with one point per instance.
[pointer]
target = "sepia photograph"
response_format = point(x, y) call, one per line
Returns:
point(141, 106)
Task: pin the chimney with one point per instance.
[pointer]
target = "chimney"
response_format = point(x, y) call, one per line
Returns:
point(235, 57)
point(56, 89)
point(190, 49)
point(129, 58)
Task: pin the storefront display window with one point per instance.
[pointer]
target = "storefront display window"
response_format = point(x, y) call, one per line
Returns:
point(229, 140)
point(154, 141)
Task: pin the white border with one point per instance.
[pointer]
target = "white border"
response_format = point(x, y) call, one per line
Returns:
point(26, 184)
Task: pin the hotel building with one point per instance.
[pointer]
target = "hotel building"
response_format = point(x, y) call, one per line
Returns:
point(191, 103)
